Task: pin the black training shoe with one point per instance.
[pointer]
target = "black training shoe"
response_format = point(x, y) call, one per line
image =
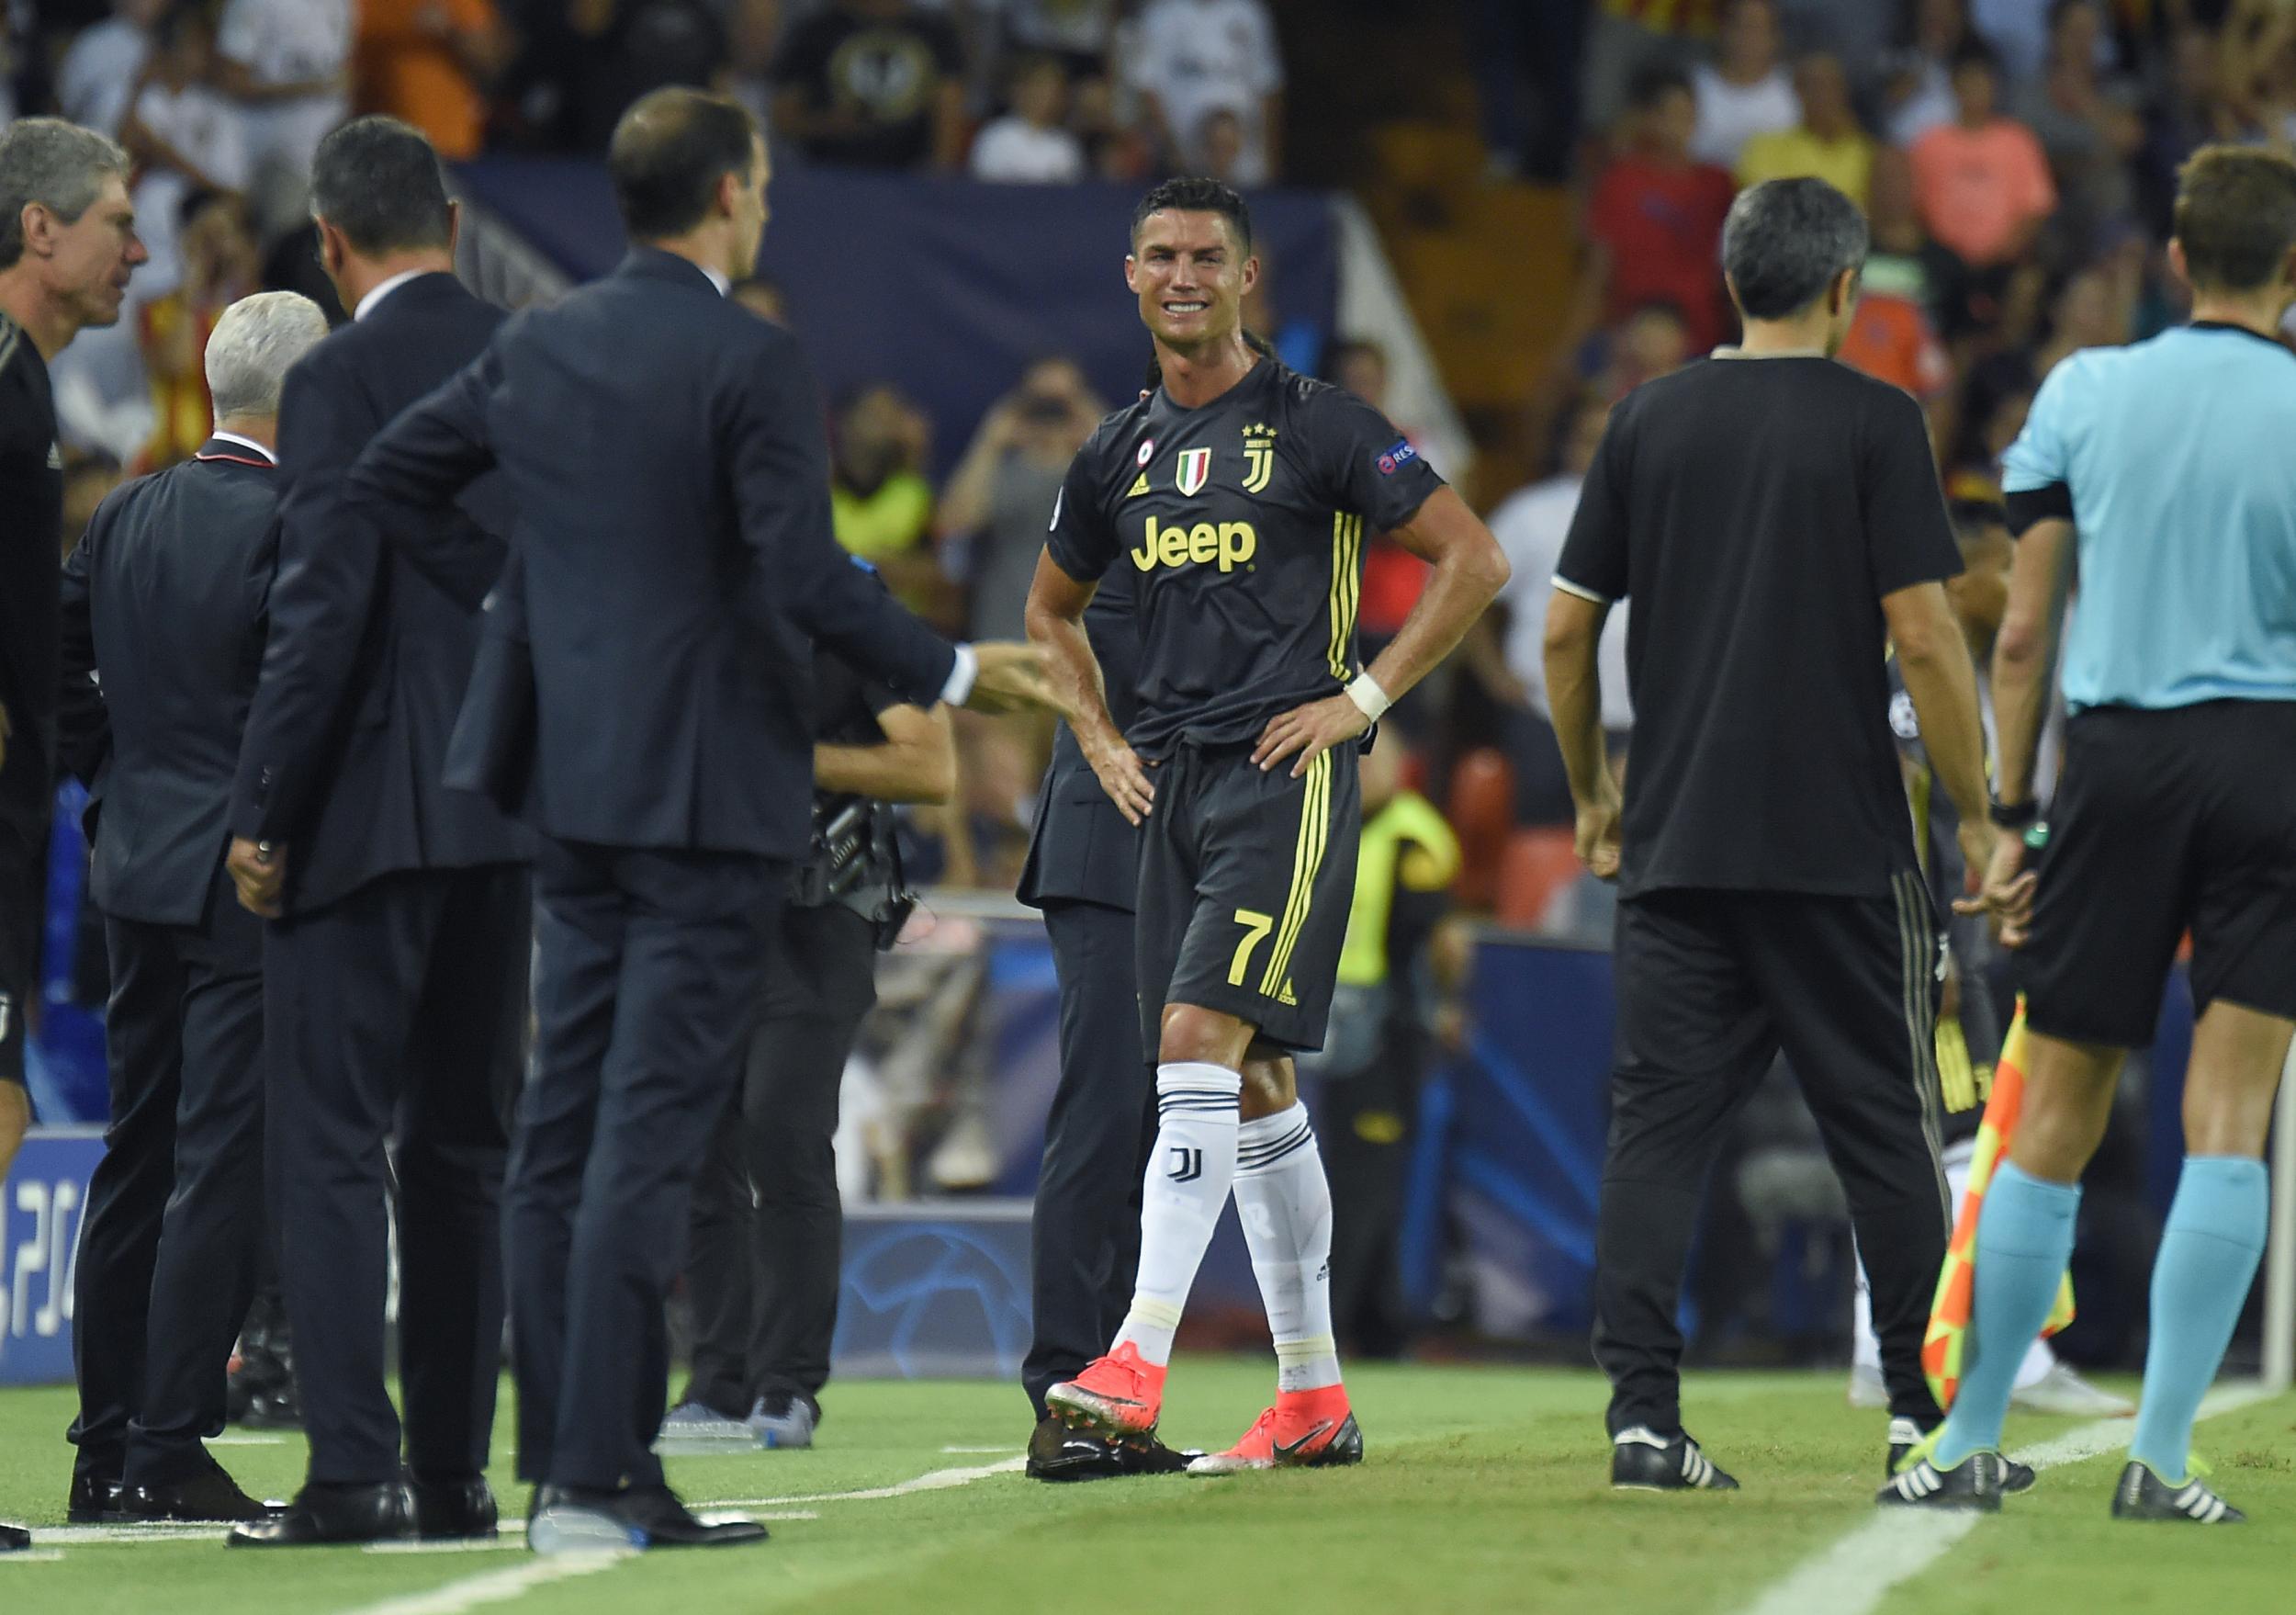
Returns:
point(1058, 1451)
point(14, 1538)
point(1974, 1482)
point(2142, 1494)
point(1643, 1461)
point(1905, 1435)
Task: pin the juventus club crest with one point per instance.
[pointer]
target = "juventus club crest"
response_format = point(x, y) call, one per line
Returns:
point(1259, 457)
point(1195, 470)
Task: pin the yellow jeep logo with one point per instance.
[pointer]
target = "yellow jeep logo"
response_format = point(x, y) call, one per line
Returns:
point(1230, 543)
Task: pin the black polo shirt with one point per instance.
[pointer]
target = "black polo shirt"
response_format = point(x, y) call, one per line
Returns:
point(1757, 511)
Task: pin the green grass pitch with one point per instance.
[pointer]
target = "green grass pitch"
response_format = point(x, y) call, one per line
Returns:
point(1483, 1490)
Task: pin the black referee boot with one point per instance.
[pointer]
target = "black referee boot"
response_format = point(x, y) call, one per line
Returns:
point(1643, 1461)
point(2142, 1494)
point(1905, 1435)
point(1975, 1483)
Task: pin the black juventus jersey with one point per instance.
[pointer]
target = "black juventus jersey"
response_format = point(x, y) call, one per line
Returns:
point(1241, 524)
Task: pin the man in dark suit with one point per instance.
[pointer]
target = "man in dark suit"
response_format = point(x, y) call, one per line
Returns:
point(664, 452)
point(163, 611)
point(395, 975)
point(1084, 872)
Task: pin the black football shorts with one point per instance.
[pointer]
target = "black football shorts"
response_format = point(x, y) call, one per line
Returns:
point(2165, 821)
point(1245, 880)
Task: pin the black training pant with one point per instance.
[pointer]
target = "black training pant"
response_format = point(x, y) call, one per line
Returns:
point(1084, 1240)
point(763, 1268)
point(1711, 984)
point(170, 1244)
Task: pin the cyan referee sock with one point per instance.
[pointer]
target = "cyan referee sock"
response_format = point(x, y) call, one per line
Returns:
point(1187, 1185)
point(2208, 1259)
point(1285, 1203)
point(2024, 1239)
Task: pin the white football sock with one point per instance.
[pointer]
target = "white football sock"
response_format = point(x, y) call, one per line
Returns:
point(1284, 1202)
point(1187, 1182)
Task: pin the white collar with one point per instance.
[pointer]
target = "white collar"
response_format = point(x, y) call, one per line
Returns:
point(374, 297)
point(1779, 353)
point(236, 441)
point(723, 286)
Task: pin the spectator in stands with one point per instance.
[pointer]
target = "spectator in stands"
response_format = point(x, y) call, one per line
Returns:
point(2258, 71)
point(1917, 90)
point(1218, 150)
point(1982, 181)
point(1826, 144)
point(2189, 112)
point(1626, 39)
point(1197, 57)
point(2088, 125)
point(1655, 219)
point(873, 84)
point(1509, 661)
point(1000, 500)
point(428, 63)
point(879, 500)
point(101, 68)
point(1652, 341)
point(219, 267)
point(1031, 144)
point(185, 138)
point(287, 62)
point(1078, 34)
point(1746, 91)
point(1891, 337)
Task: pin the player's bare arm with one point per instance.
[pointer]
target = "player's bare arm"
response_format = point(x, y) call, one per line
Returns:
point(1469, 570)
point(1933, 657)
point(1055, 617)
point(1574, 695)
point(2024, 663)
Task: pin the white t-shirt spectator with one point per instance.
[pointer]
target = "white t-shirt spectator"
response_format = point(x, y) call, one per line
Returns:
point(284, 42)
point(209, 132)
point(1730, 115)
point(98, 72)
point(1198, 57)
point(1012, 150)
point(1531, 526)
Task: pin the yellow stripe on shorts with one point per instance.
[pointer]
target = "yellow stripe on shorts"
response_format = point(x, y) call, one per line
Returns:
point(1307, 859)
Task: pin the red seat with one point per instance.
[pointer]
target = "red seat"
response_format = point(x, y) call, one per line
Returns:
point(1482, 812)
point(1537, 863)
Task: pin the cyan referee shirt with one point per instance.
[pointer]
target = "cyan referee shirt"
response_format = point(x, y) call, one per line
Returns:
point(2176, 460)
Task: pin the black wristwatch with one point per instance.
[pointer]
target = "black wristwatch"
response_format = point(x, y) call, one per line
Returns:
point(2014, 814)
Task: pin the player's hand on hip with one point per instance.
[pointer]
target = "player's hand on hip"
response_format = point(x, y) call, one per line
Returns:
point(1009, 675)
point(1597, 836)
point(259, 870)
point(1310, 731)
point(1121, 774)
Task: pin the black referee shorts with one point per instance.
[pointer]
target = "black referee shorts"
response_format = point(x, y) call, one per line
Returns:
point(1246, 879)
point(2169, 820)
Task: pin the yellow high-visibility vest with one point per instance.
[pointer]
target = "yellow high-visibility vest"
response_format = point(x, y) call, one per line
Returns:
point(1406, 844)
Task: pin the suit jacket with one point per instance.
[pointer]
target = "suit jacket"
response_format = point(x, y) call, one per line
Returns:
point(664, 452)
point(163, 616)
point(369, 659)
point(1083, 850)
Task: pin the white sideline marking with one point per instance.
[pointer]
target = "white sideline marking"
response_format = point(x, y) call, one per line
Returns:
point(962, 1450)
point(32, 1555)
point(938, 1480)
point(86, 1536)
point(1861, 1569)
point(232, 1440)
point(497, 1586)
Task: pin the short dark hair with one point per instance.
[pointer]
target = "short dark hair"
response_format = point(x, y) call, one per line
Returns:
point(377, 180)
point(669, 152)
point(1785, 241)
point(1973, 52)
point(1652, 82)
point(1197, 196)
point(2235, 216)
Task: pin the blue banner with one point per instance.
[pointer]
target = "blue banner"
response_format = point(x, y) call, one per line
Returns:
point(39, 1241)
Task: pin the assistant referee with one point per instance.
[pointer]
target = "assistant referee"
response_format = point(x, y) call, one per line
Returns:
point(1777, 520)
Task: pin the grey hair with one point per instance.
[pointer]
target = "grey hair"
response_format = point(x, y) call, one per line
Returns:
point(1785, 241)
point(58, 164)
point(254, 344)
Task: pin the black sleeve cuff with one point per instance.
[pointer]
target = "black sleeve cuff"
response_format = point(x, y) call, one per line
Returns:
point(2030, 507)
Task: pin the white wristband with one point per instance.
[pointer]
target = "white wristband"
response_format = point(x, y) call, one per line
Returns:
point(1369, 699)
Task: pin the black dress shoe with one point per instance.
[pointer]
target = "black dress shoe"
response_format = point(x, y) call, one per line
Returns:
point(1060, 1452)
point(92, 1501)
point(663, 1516)
point(210, 1495)
point(452, 1509)
point(14, 1538)
point(333, 1514)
